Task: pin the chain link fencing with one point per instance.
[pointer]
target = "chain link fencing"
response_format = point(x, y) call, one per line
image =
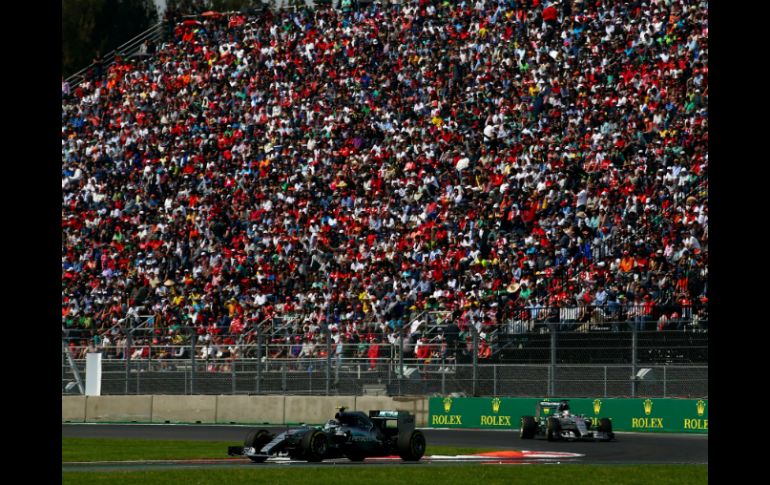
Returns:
point(576, 364)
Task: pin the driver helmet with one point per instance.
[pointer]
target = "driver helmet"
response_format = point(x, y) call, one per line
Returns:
point(563, 407)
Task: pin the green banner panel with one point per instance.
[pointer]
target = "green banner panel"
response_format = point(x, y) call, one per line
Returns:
point(666, 415)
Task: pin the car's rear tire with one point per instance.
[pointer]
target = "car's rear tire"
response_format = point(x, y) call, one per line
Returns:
point(257, 438)
point(528, 427)
point(411, 446)
point(314, 445)
point(605, 426)
point(553, 429)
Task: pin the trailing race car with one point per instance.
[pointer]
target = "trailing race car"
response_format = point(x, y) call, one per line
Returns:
point(353, 435)
point(553, 421)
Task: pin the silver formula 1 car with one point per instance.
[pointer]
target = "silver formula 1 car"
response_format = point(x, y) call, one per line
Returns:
point(553, 421)
point(352, 435)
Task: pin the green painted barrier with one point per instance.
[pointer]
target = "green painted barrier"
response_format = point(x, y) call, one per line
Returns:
point(666, 415)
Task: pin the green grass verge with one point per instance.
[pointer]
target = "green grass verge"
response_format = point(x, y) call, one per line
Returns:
point(409, 475)
point(95, 449)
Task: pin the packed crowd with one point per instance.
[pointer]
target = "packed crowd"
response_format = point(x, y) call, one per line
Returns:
point(357, 167)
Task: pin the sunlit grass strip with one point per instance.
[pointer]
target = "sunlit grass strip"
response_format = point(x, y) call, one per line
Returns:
point(409, 475)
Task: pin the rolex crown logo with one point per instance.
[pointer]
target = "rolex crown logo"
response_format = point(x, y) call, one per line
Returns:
point(647, 406)
point(701, 407)
point(597, 406)
point(496, 404)
point(447, 404)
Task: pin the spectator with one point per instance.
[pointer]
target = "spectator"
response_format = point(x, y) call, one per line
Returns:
point(373, 353)
point(308, 348)
point(65, 89)
point(372, 163)
point(485, 351)
point(422, 350)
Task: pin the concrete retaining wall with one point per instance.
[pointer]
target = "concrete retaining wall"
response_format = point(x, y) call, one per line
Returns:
point(184, 409)
point(73, 409)
point(250, 409)
point(316, 409)
point(416, 405)
point(119, 409)
point(226, 409)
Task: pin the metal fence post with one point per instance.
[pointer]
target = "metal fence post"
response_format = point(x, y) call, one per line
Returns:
point(337, 366)
point(475, 358)
point(605, 381)
point(443, 375)
point(391, 365)
point(552, 373)
point(127, 356)
point(664, 381)
point(328, 359)
point(633, 359)
point(400, 359)
point(193, 345)
point(494, 379)
point(259, 359)
point(232, 372)
point(138, 376)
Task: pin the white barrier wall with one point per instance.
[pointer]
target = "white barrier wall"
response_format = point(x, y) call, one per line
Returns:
point(94, 374)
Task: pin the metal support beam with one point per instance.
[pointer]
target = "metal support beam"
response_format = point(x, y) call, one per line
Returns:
point(552, 373)
point(127, 356)
point(73, 366)
point(193, 345)
point(475, 357)
point(401, 332)
point(633, 359)
point(259, 359)
point(328, 358)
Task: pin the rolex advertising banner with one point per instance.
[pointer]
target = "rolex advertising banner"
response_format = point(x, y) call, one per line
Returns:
point(669, 415)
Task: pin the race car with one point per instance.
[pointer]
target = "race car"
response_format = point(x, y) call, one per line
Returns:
point(553, 421)
point(352, 435)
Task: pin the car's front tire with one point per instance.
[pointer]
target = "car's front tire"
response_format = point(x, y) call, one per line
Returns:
point(314, 445)
point(528, 427)
point(553, 429)
point(411, 446)
point(257, 438)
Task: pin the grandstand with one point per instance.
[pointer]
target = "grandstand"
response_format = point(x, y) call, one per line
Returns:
point(330, 198)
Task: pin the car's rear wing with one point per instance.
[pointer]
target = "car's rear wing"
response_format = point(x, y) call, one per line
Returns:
point(545, 407)
point(405, 419)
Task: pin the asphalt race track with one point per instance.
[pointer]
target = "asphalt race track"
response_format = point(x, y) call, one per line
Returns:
point(629, 448)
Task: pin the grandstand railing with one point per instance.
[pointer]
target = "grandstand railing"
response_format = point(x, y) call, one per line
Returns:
point(128, 49)
point(519, 319)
